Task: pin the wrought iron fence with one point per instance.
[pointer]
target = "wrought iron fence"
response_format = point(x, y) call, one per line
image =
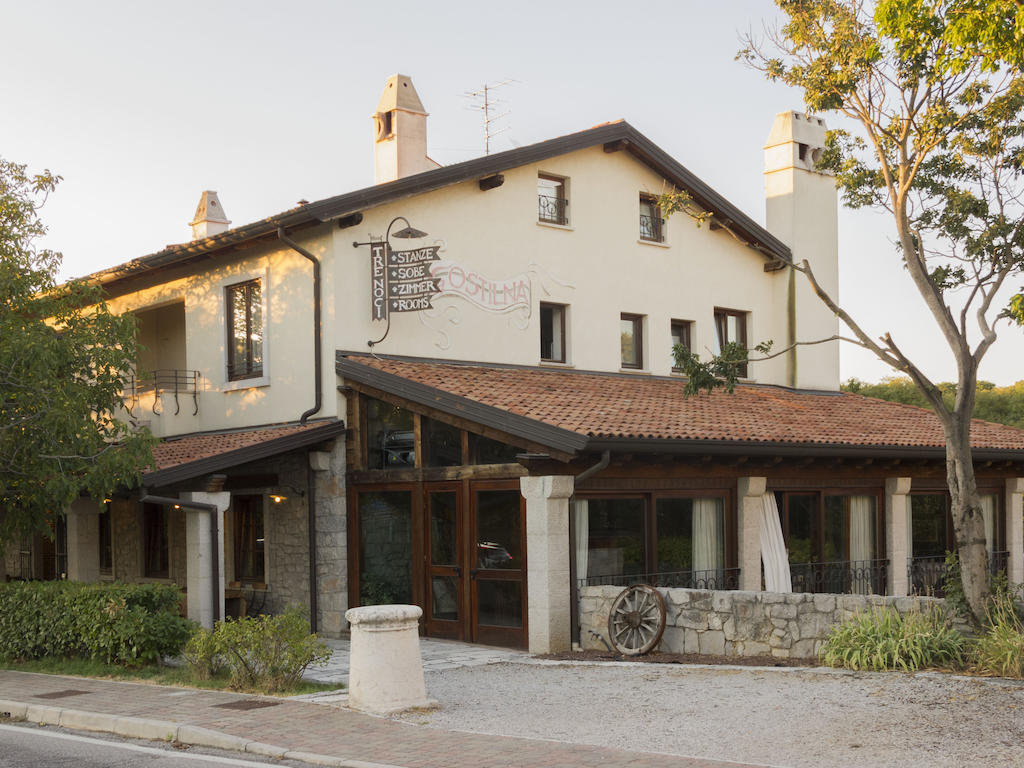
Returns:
point(552, 209)
point(717, 578)
point(163, 381)
point(842, 577)
point(652, 228)
point(998, 562)
point(927, 576)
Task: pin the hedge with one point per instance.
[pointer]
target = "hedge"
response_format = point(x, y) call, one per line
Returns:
point(113, 623)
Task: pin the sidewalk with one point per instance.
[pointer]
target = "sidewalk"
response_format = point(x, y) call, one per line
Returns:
point(290, 729)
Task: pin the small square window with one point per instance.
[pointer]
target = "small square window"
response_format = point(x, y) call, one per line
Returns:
point(552, 333)
point(731, 327)
point(652, 226)
point(631, 339)
point(680, 337)
point(552, 202)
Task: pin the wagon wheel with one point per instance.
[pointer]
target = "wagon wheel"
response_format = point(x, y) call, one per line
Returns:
point(636, 620)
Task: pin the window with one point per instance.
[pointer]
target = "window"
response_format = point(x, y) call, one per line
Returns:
point(631, 340)
point(250, 544)
point(680, 338)
point(652, 226)
point(552, 203)
point(390, 436)
point(669, 540)
point(155, 557)
point(106, 541)
point(552, 333)
point(442, 443)
point(484, 450)
point(385, 547)
point(245, 330)
point(731, 328)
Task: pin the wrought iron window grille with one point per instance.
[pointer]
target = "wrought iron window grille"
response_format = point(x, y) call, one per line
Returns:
point(164, 381)
point(652, 228)
point(552, 210)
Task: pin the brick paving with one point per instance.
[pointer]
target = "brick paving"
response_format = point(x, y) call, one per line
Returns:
point(319, 729)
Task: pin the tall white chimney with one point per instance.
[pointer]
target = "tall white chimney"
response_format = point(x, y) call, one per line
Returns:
point(210, 218)
point(400, 128)
point(802, 211)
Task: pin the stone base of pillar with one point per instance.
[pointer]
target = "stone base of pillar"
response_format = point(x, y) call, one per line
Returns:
point(385, 668)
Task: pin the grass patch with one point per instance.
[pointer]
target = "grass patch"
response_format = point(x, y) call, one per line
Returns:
point(151, 673)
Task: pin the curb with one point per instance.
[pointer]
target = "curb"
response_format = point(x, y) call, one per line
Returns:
point(164, 730)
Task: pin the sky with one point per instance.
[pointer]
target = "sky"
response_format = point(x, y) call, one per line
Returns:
point(142, 106)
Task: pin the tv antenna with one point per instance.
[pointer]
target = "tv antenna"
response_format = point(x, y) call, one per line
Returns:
point(485, 101)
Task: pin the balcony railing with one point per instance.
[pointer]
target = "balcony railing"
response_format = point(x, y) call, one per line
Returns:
point(842, 577)
point(719, 578)
point(652, 228)
point(165, 381)
point(927, 576)
point(552, 210)
point(998, 562)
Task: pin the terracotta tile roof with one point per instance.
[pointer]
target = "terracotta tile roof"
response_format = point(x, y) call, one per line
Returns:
point(189, 449)
point(631, 406)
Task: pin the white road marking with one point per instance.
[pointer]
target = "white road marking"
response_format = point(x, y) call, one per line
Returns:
point(131, 747)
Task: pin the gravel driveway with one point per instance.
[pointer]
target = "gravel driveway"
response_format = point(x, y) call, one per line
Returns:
point(773, 717)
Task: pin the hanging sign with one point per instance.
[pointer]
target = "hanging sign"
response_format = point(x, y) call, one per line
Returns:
point(400, 281)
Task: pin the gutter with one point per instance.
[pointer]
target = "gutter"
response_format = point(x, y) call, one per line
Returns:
point(317, 342)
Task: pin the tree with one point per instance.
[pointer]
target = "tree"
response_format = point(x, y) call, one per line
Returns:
point(1003, 405)
point(63, 359)
point(933, 93)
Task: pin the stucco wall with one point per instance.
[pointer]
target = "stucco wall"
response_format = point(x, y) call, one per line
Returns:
point(734, 623)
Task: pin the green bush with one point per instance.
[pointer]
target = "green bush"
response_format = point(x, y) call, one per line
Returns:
point(885, 639)
point(113, 623)
point(203, 654)
point(269, 653)
point(1000, 651)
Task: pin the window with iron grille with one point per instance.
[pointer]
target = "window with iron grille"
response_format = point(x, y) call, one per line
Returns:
point(552, 201)
point(652, 226)
point(245, 330)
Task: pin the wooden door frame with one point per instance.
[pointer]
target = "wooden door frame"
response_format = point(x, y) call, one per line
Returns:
point(461, 628)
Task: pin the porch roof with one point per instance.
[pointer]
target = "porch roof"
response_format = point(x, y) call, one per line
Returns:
point(188, 456)
point(573, 411)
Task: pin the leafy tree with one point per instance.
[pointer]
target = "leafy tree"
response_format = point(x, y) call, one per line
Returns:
point(1003, 405)
point(62, 361)
point(933, 92)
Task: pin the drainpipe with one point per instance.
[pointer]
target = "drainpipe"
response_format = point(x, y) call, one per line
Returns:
point(214, 537)
point(311, 527)
point(574, 598)
point(318, 356)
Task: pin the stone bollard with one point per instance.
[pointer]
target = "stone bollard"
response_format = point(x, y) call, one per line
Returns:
point(385, 668)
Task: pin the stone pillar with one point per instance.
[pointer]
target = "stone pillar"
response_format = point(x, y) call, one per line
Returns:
point(549, 589)
point(330, 525)
point(749, 493)
point(1015, 529)
point(385, 668)
point(83, 526)
point(200, 553)
point(897, 533)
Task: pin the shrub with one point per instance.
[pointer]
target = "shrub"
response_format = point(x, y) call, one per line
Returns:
point(269, 653)
point(203, 654)
point(885, 639)
point(1000, 651)
point(113, 623)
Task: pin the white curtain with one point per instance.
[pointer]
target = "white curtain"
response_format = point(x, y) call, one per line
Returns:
point(862, 529)
point(582, 511)
point(988, 512)
point(707, 539)
point(773, 548)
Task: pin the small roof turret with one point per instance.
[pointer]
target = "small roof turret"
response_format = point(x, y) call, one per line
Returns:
point(210, 218)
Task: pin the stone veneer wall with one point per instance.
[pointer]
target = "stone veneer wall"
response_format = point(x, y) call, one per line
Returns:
point(734, 623)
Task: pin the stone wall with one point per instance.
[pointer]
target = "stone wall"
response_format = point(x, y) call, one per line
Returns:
point(734, 623)
point(332, 543)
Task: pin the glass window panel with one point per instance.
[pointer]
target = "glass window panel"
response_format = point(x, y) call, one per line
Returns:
point(442, 444)
point(483, 450)
point(443, 530)
point(249, 540)
point(499, 603)
point(801, 511)
point(444, 597)
point(835, 539)
point(928, 524)
point(390, 437)
point(630, 341)
point(498, 530)
point(106, 541)
point(385, 547)
point(155, 536)
point(675, 534)
point(552, 332)
point(616, 537)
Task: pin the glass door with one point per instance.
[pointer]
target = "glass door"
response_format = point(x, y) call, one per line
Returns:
point(445, 612)
point(498, 572)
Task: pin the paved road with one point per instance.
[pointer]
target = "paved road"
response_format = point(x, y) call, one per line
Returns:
point(26, 746)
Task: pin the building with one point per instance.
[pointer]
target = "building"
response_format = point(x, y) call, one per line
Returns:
point(485, 420)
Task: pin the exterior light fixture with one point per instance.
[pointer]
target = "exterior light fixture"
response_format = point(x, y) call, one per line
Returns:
point(278, 498)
